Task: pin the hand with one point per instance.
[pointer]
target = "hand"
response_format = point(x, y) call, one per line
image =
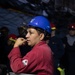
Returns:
point(19, 42)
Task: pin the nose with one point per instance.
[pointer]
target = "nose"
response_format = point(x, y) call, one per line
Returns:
point(27, 35)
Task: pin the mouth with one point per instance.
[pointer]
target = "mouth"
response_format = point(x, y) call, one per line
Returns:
point(28, 40)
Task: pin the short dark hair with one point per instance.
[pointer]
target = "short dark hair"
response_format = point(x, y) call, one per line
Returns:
point(47, 35)
point(4, 29)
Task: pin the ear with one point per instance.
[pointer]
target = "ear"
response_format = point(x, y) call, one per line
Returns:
point(42, 36)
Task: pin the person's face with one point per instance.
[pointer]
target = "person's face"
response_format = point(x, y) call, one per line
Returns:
point(4, 32)
point(52, 33)
point(33, 37)
point(72, 32)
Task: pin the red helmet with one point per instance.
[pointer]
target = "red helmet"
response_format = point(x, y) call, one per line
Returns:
point(53, 27)
point(12, 37)
point(72, 26)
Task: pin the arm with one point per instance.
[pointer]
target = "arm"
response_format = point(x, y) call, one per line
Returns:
point(19, 64)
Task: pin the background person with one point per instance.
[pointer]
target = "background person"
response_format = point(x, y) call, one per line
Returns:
point(57, 48)
point(4, 31)
point(69, 45)
point(10, 42)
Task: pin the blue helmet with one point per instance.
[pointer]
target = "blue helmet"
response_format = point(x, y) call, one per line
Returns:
point(40, 22)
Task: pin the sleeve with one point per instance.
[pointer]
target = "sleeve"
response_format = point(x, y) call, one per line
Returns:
point(22, 65)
